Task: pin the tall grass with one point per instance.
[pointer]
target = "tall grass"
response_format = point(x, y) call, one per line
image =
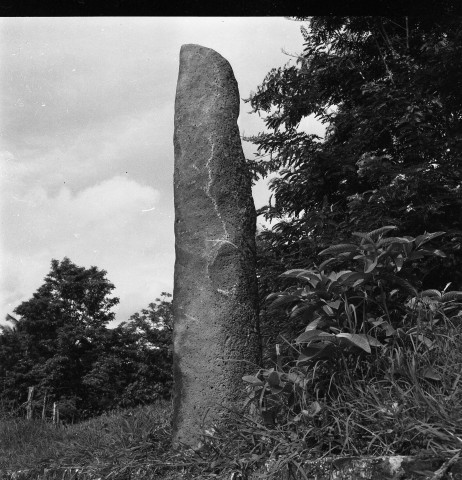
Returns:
point(131, 443)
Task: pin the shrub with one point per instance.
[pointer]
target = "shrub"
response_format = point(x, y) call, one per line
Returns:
point(375, 365)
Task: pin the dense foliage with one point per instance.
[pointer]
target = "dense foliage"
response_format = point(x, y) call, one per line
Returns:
point(388, 92)
point(375, 368)
point(61, 345)
point(362, 347)
point(142, 349)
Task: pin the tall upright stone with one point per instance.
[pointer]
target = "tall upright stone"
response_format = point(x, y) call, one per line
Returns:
point(215, 288)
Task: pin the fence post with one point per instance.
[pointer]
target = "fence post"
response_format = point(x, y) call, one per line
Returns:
point(55, 414)
point(30, 394)
point(44, 406)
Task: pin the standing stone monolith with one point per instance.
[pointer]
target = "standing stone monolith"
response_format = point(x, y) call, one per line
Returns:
point(215, 298)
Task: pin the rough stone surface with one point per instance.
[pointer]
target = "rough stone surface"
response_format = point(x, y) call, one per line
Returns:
point(215, 288)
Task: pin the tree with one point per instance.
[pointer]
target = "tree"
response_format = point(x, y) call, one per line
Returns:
point(388, 91)
point(152, 329)
point(61, 345)
point(136, 365)
point(11, 359)
point(58, 335)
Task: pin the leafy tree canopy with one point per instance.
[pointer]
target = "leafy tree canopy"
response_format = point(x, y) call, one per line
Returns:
point(137, 365)
point(58, 334)
point(60, 344)
point(388, 91)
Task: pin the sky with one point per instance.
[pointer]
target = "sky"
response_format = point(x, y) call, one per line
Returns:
point(86, 141)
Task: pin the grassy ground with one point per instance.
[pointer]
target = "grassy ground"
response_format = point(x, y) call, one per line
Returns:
point(128, 444)
point(134, 444)
point(404, 413)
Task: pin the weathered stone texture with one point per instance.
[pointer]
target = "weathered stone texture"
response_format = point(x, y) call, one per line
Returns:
point(215, 289)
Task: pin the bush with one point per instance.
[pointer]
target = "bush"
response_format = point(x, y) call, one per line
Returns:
point(375, 365)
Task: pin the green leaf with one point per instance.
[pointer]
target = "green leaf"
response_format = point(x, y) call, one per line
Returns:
point(274, 379)
point(312, 325)
point(338, 275)
point(399, 262)
point(435, 252)
point(360, 340)
point(271, 296)
point(369, 264)
point(426, 237)
point(296, 272)
point(393, 240)
point(312, 335)
point(293, 377)
point(407, 247)
point(253, 380)
point(385, 326)
point(430, 293)
point(316, 351)
point(425, 340)
point(284, 300)
point(364, 236)
point(324, 264)
point(448, 296)
point(417, 255)
point(404, 284)
point(350, 278)
point(431, 374)
point(379, 231)
point(304, 312)
point(373, 342)
point(301, 274)
point(334, 304)
point(343, 247)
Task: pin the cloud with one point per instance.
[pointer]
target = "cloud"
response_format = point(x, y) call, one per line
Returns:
point(139, 146)
point(116, 225)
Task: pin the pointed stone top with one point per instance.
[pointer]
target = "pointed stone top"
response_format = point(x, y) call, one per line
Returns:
point(206, 83)
point(197, 48)
point(200, 52)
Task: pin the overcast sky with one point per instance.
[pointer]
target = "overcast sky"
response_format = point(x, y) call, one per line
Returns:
point(86, 135)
